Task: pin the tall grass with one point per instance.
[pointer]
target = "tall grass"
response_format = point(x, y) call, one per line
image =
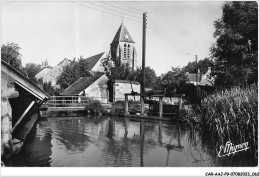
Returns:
point(231, 115)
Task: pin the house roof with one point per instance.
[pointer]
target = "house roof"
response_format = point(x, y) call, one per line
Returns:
point(192, 77)
point(122, 35)
point(23, 81)
point(81, 84)
point(46, 67)
point(91, 61)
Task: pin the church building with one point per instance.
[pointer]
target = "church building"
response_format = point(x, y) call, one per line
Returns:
point(123, 47)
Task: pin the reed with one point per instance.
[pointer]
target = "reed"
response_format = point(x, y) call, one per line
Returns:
point(231, 115)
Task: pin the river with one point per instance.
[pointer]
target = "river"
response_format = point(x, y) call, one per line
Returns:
point(93, 141)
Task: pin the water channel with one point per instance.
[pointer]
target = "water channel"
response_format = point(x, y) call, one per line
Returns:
point(93, 141)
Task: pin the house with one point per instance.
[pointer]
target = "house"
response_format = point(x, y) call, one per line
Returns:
point(51, 74)
point(123, 86)
point(122, 48)
point(201, 79)
point(94, 86)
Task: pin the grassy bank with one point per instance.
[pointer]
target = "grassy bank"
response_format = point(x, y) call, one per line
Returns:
point(231, 115)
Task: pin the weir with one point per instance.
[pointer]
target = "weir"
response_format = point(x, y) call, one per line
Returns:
point(20, 102)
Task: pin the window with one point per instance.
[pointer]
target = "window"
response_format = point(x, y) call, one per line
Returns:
point(124, 50)
point(128, 51)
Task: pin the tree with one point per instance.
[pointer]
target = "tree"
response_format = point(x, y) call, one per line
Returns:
point(149, 74)
point(203, 66)
point(11, 54)
point(174, 81)
point(236, 49)
point(31, 70)
point(48, 88)
point(72, 72)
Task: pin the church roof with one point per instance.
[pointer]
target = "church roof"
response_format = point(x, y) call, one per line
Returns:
point(81, 84)
point(122, 35)
point(91, 61)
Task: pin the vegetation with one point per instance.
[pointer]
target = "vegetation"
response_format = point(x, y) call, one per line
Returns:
point(115, 70)
point(72, 72)
point(149, 74)
point(11, 54)
point(173, 81)
point(236, 49)
point(231, 115)
point(31, 70)
point(48, 88)
point(202, 65)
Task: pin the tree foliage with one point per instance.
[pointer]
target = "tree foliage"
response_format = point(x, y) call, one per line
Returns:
point(117, 71)
point(11, 54)
point(48, 88)
point(173, 81)
point(203, 66)
point(31, 69)
point(236, 48)
point(149, 75)
point(72, 72)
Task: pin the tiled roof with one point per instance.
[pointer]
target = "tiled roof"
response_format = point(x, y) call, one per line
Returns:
point(91, 61)
point(81, 84)
point(48, 67)
point(122, 35)
point(192, 77)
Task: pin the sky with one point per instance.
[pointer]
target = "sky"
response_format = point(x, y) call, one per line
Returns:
point(176, 31)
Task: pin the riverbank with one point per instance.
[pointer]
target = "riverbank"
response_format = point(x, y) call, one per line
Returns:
point(231, 116)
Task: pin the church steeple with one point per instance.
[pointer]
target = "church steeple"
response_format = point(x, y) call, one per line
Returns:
point(122, 35)
point(123, 48)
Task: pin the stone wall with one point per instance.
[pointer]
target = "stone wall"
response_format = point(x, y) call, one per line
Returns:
point(98, 89)
point(122, 87)
point(52, 75)
point(7, 91)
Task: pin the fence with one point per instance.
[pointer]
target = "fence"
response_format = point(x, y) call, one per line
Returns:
point(73, 101)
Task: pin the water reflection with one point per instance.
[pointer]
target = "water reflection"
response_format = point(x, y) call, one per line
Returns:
point(37, 149)
point(111, 141)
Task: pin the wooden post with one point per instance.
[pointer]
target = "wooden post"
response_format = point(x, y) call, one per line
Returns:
point(143, 65)
point(142, 105)
point(180, 104)
point(21, 118)
point(126, 104)
point(143, 53)
point(142, 135)
point(160, 107)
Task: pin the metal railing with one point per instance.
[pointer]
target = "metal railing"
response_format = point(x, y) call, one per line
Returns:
point(73, 101)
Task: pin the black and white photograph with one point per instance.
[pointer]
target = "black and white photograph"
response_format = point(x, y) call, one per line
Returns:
point(129, 84)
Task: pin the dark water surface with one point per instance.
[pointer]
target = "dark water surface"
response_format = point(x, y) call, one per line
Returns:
point(110, 142)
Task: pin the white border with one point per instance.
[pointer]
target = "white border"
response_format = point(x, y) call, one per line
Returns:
point(119, 171)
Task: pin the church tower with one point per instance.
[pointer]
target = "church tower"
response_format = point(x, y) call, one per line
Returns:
point(123, 47)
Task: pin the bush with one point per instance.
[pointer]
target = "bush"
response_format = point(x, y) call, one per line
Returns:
point(95, 107)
